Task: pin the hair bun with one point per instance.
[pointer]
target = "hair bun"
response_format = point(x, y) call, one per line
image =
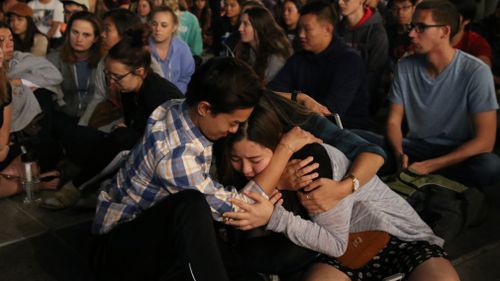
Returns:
point(137, 37)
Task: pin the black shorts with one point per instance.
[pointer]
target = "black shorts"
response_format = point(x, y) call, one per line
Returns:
point(397, 257)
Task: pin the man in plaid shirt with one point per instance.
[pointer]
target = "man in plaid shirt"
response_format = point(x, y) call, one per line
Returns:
point(147, 229)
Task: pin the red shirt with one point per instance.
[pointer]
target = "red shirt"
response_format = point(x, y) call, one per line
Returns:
point(474, 44)
point(366, 16)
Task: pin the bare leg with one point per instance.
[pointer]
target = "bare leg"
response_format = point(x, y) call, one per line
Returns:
point(439, 269)
point(9, 187)
point(325, 272)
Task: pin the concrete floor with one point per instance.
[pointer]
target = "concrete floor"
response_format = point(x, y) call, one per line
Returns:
point(42, 245)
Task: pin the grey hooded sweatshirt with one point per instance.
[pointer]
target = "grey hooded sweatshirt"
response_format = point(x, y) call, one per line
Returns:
point(40, 72)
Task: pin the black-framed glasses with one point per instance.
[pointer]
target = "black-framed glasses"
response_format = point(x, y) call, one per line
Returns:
point(421, 27)
point(116, 78)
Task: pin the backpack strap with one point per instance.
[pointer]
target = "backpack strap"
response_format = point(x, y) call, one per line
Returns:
point(422, 180)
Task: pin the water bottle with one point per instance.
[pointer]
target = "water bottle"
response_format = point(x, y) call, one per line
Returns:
point(30, 176)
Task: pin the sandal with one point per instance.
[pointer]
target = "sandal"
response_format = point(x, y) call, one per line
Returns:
point(50, 180)
point(64, 198)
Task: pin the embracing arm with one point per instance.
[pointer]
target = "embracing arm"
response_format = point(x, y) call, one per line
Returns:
point(327, 234)
point(187, 171)
point(367, 158)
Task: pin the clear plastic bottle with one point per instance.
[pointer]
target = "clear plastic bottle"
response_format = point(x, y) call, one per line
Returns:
point(30, 176)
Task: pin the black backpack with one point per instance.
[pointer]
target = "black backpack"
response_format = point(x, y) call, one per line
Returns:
point(448, 207)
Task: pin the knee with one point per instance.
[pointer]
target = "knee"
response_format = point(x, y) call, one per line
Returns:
point(192, 202)
point(488, 168)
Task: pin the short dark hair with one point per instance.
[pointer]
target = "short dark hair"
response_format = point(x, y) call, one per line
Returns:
point(226, 83)
point(323, 11)
point(391, 3)
point(443, 12)
point(123, 20)
point(466, 8)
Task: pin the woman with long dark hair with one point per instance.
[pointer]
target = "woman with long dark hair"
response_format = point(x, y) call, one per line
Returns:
point(27, 38)
point(263, 44)
point(228, 36)
point(10, 160)
point(7, 154)
point(411, 247)
point(290, 21)
point(143, 9)
point(104, 107)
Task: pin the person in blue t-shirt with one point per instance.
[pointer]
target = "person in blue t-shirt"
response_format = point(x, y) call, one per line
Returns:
point(448, 99)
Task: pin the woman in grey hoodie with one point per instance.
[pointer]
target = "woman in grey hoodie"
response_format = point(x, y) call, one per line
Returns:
point(413, 249)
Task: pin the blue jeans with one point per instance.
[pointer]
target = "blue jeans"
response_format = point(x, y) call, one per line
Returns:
point(480, 170)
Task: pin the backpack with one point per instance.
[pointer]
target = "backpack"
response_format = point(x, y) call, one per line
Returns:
point(448, 207)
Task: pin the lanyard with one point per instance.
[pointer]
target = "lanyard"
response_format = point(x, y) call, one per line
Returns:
point(82, 93)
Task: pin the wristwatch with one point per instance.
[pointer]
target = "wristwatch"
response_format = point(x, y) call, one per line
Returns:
point(355, 182)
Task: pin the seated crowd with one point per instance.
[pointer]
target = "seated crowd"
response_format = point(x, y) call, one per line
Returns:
point(245, 136)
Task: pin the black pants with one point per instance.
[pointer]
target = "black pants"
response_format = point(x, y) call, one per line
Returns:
point(89, 148)
point(174, 240)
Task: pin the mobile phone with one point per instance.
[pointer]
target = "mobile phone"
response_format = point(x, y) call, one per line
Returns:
point(335, 118)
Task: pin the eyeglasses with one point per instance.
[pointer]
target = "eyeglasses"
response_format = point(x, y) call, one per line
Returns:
point(396, 9)
point(116, 78)
point(421, 27)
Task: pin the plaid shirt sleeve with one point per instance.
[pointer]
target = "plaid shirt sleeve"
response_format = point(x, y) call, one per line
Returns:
point(188, 168)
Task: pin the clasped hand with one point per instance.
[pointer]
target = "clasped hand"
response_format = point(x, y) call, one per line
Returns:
point(252, 215)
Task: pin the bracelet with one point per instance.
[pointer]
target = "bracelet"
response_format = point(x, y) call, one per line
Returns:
point(294, 95)
point(287, 147)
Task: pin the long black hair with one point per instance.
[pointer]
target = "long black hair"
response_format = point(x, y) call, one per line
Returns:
point(269, 119)
point(25, 45)
point(271, 40)
point(5, 97)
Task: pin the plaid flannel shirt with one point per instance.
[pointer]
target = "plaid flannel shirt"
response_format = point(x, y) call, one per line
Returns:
point(172, 156)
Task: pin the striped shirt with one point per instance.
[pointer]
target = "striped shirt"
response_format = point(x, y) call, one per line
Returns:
point(374, 207)
point(172, 156)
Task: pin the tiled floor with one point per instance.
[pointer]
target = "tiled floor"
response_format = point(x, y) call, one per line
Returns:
point(42, 245)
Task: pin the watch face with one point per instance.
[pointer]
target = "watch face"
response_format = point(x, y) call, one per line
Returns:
point(356, 184)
